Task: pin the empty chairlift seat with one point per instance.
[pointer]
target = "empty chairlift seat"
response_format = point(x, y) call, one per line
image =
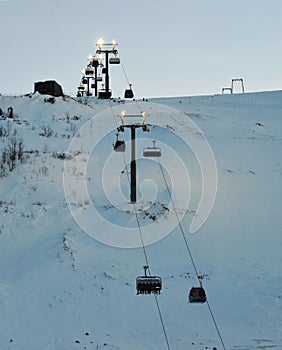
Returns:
point(197, 295)
point(114, 60)
point(152, 152)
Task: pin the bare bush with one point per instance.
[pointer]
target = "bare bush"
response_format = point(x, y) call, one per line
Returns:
point(12, 154)
point(5, 131)
point(46, 131)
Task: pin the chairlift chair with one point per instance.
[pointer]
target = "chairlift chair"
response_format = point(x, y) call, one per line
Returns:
point(197, 295)
point(114, 60)
point(148, 284)
point(95, 62)
point(152, 152)
point(89, 71)
point(119, 145)
point(81, 87)
point(128, 92)
point(104, 95)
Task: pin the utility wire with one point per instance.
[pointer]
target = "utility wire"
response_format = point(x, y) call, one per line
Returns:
point(215, 324)
point(126, 77)
point(162, 322)
point(179, 223)
point(190, 254)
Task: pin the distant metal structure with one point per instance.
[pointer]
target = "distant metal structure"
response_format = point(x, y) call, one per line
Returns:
point(106, 55)
point(226, 89)
point(231, 89)
point(107, 49)
point(90, 78)
point(117, 146)
point(240, 80)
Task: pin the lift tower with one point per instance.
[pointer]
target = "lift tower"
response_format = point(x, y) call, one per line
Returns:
point(117, 147)
point(107, 49)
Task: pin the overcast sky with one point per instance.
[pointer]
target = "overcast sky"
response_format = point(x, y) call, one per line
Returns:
point(168, 48)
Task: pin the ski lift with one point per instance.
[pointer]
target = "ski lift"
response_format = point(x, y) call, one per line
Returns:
point(81, 87)
point(89, 71)
point(99, 78)
point(128, 92)
point(152, 152)
point(148, 284)
point(104, 94)
point(104, 70)
point(114, 60)
point(95, 62)
point(198, 294)
point(119, 145)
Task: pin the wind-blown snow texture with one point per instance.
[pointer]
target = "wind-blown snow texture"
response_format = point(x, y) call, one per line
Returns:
point(62, 290)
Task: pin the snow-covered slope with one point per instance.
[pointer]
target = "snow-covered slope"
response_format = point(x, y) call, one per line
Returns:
point(61, 289)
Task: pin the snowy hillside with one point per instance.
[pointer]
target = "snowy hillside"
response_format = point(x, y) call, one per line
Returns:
point(69, 240)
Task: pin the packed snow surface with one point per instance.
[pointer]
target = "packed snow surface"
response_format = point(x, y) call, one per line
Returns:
point(63, 286)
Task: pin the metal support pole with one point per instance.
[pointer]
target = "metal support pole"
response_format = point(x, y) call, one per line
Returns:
point(107, 80)
point(95, 80)
point(133, 167)
point(88, 86)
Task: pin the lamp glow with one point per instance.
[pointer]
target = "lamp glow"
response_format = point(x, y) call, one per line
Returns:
point(100, 43)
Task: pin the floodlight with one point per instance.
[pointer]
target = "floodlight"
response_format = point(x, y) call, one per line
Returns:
point(100, 43)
